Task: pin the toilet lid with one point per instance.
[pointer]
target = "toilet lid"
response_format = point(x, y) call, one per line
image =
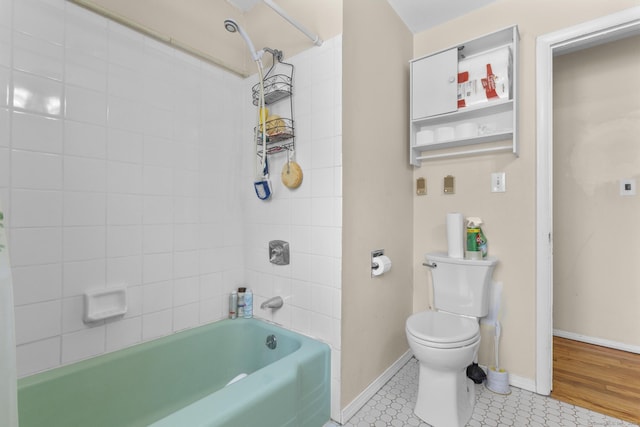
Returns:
point(442, 328)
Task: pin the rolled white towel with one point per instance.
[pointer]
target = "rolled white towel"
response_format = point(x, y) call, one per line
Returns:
point(236, 379)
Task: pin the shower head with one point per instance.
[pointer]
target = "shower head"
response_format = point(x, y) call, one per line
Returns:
point(230, 25)
point(233, 27)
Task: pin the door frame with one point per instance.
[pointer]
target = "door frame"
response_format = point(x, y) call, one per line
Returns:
point(592, 33)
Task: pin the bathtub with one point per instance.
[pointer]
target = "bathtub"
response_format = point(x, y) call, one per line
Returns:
point(181, 380)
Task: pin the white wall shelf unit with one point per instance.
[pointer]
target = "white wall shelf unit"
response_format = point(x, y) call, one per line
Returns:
point(441, 119)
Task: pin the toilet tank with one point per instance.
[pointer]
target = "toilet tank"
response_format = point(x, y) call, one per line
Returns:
point(461, 286)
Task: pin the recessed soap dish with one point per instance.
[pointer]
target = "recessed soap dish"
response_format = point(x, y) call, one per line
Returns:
point(103, 304)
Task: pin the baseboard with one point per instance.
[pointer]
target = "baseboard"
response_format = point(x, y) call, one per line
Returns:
point(597, 341)
point(522, 383)
point(352, 408)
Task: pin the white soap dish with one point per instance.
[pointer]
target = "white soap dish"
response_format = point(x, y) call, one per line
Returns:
point(103, 304)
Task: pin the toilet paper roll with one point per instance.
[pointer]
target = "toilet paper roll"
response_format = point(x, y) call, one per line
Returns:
point(466, 130)
point(455, 234)
point(380, 265)
point(424, 137)
point(445, 133)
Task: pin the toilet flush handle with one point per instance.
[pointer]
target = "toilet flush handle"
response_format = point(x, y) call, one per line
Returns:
point(432, 265)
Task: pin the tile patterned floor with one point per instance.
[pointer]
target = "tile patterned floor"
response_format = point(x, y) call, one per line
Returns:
point(393, 406)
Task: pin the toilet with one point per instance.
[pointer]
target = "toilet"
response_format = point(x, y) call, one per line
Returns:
point(446, 340)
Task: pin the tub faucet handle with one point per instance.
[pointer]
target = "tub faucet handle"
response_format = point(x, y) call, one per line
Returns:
point(279, 252)
point(275, 254)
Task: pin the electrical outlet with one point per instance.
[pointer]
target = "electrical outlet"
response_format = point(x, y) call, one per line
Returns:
point(498, 182)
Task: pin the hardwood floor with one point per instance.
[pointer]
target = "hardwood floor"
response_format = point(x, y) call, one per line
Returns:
point(597, 378)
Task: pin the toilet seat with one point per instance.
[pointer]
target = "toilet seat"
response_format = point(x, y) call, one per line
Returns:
point(442, 330)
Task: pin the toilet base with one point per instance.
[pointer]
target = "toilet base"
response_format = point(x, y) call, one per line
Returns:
point(445, 398)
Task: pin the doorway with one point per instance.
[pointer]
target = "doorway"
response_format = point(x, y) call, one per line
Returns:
point(595, 156)
point(609, 28)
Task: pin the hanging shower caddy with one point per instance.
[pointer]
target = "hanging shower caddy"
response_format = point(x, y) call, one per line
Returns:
point(277, 86)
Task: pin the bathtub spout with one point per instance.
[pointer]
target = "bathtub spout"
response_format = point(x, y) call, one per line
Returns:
point(275, 302)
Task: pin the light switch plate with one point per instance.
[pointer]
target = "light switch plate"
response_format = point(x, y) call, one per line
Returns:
point(498, 182)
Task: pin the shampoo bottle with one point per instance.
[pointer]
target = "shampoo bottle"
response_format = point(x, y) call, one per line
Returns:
point(248, 304)
point(241, 303)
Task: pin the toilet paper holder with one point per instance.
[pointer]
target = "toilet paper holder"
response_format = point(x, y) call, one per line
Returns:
point(380, 264)
point(374, 254)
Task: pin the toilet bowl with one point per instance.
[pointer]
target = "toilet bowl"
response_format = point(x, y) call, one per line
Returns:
point(444, 344)
point(446, 340)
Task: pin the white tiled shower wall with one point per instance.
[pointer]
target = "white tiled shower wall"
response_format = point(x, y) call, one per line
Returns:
point(309, 217)
point(115, 158)
point(125, 161)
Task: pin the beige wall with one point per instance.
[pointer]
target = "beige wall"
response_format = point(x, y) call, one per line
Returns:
point(509, 217)
point(377, 189)
point(596, 250)
point(197, 26)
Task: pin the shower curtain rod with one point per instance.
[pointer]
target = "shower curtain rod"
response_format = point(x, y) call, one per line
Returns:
point(313, 37)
